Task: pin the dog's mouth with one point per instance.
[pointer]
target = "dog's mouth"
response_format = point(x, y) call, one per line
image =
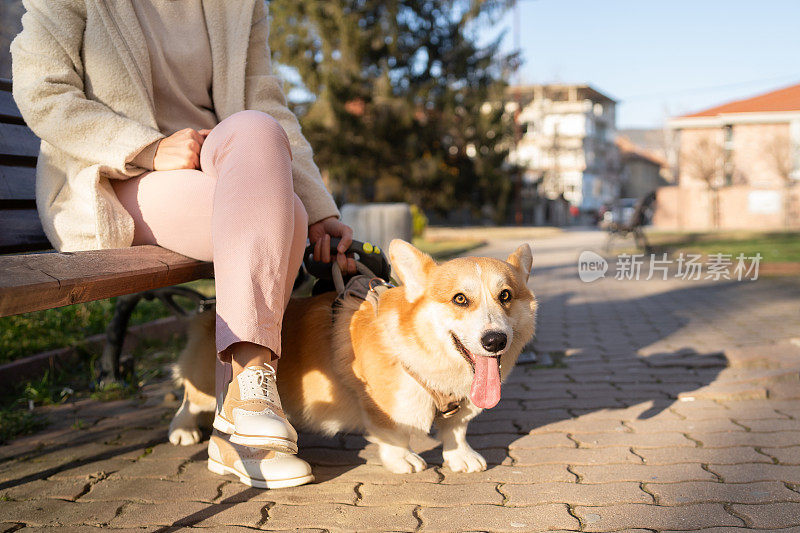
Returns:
point(463, 351)
point(485, 390)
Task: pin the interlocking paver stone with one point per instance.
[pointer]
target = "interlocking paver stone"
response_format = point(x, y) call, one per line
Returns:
point(683, 426)
point(345, 493)
point(574, 493)
point(730, 456)
point(497, 518)
point(372, 473)
point(430, 495)
point(745, 473)
point(785, 456)
point(189, 514)
point(151, 468)
point(347, 517)
point(785, 424)
point(686, 517)
point(694, 492)
point(512, 474)
point(773, 515)
point(153, 490)
point(534, 441)
point(54, 513)
point(750, 438)
point(67, 489)
point(575, 456)
point(579, 425)
point(643, 473)
point(637, 440)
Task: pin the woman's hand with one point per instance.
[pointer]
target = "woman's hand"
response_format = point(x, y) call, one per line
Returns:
point(180, 150)
point(320, 233)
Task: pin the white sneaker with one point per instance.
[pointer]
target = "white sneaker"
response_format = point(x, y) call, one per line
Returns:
point(251, 412)
point(255, 467)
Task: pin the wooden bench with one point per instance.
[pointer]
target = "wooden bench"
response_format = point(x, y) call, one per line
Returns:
point(33, 276)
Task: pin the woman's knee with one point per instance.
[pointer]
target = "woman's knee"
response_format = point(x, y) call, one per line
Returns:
point(257, 127)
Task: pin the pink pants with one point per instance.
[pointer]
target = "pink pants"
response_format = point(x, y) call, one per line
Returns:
point(239, 211)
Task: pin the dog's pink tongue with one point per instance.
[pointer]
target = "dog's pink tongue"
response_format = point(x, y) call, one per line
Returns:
point(485, 391)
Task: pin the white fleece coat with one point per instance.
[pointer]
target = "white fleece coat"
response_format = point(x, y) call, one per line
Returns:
point(81, 73)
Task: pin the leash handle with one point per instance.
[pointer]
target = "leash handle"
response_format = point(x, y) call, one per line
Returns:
point(368, 255)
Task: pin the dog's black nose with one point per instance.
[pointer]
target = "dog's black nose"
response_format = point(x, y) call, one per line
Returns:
point(494, 341)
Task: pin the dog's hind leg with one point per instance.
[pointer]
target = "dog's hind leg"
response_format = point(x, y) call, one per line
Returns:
point(394, 450)
point(458, 454)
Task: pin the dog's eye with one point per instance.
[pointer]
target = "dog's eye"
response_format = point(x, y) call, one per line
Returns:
point(505, 296)
point(460, 299)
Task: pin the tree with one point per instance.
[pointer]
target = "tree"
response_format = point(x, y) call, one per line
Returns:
point(393, 97)
point(778, 154)
point(702, 163)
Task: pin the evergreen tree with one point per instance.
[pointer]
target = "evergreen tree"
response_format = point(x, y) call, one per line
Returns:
point(397, 98)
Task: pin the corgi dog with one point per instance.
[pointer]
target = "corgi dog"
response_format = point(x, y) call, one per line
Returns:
point(434, 349)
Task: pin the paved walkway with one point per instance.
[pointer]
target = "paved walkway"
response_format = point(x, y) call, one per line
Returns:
point(660, 406)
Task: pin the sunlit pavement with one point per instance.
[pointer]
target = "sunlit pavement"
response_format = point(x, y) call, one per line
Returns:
point(656, 406)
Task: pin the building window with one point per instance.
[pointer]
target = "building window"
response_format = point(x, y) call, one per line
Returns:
point(528, 127)
point(601, 131)
point(727, 164)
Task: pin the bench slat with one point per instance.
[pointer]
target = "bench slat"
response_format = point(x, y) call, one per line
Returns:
point(9, 112)
point(21, 231)
point(17, 183)
point(18, 140)
point(91, 275)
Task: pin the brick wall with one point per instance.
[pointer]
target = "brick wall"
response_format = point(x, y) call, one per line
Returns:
point(757, 196)
point(740, 207)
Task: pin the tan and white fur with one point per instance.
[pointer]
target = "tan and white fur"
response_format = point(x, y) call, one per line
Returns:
point(350, 374)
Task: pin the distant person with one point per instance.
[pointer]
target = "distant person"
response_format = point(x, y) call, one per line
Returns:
point(161, 123)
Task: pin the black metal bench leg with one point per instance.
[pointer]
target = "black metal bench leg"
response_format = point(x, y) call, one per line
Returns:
point(115, 337)
point(110, 369)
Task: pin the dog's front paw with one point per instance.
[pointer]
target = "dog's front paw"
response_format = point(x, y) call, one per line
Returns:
point(404, 463)
point(464, 460)
point(184, 436)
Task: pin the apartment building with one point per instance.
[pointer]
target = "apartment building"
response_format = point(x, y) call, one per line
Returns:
point(565, 142)
point(738, 166)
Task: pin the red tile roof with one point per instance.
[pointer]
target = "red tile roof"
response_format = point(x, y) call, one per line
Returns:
point(628, 148)
point(787, 99)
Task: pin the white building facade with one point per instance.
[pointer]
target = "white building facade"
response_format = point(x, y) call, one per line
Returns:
point(566, 143)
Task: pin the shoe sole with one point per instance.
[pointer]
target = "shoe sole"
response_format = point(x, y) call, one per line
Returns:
point(276, 444)
point(219, 468)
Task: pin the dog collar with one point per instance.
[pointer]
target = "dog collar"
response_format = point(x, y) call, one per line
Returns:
point(447, 405)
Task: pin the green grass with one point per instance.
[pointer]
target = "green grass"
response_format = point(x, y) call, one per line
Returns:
point(32, 333)
point(442, 250)
point(15, 422)
point(76, 380)
point(778, 247)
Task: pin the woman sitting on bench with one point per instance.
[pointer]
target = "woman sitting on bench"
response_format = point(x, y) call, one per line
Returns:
point(161, 123)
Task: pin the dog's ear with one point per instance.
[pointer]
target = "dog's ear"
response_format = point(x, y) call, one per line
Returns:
point(522, 259)
point(411, 267)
